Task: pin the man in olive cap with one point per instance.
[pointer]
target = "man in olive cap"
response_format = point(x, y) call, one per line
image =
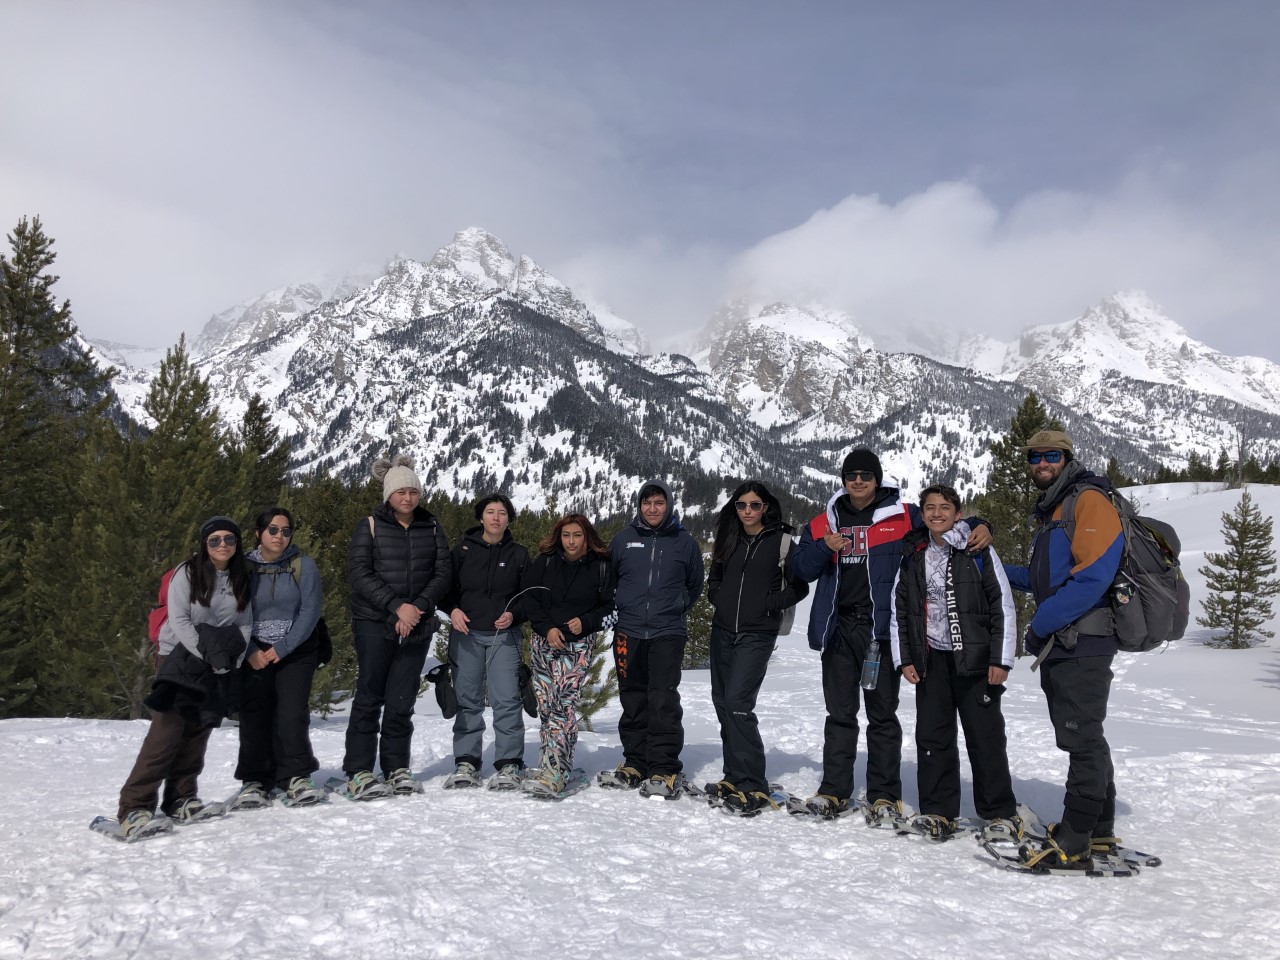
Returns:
point(1074, 559)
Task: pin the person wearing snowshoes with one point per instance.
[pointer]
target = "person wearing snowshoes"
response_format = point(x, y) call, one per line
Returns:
point(750, 586)
point(956, 633)
point(275, 701)
point(568, 599)
point(484, 646)
point(852, 551)
point(660, 577)
point(1073, 628)
point(400, 570)
point(202, 644)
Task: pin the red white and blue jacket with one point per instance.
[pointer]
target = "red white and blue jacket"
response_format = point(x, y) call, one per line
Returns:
point(891, 520)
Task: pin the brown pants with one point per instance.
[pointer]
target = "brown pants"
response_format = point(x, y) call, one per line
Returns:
point(173, 755)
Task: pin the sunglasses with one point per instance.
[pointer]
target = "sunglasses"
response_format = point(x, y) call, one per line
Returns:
point(229, 540)
point(743, 506)
point(285, 532)
point(855, 475)
point(1049, 456)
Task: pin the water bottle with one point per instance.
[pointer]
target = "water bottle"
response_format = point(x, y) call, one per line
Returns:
point(871, 666)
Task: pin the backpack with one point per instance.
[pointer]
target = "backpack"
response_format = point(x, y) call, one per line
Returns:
point(788, 620)
point(1150, 599)
point(160, 612)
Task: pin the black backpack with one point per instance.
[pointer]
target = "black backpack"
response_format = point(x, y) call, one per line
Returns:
point(1150, 599)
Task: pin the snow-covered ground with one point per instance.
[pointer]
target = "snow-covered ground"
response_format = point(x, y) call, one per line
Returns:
point(1195, 734)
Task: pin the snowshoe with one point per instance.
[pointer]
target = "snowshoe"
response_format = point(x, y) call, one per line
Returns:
point(191, 810)
point(671, 786)
point(1004, 830)
point(363, 785)
point(621, 777)
point(402, 782)
point(508, 778)
point(251, 796)
point(932, 826)
point(551, 784)
point(716, 792)
point(464, 776)
point(301, 792)
point(137, 826)
point(751, 804)
point(820, 806)
point(884, 813)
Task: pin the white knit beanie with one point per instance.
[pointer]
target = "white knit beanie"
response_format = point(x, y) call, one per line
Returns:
point(396, 474)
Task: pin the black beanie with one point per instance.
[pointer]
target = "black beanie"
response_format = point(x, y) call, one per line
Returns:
point(862, 459)
point(219, 523)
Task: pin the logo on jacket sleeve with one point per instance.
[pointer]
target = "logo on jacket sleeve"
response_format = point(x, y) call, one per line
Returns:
point(633, 545)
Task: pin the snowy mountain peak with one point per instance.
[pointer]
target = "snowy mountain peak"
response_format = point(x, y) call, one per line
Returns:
point(479, 257)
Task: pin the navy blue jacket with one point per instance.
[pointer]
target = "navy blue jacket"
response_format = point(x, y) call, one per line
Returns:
point(660, 575)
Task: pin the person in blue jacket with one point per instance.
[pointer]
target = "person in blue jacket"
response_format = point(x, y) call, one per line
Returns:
point(660, 575)
point(275, 711)
point(852, 550)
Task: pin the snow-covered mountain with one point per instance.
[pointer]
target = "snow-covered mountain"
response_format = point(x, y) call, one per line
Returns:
point(497, 374)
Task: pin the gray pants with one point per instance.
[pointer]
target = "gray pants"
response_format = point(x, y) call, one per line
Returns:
point(480, 662)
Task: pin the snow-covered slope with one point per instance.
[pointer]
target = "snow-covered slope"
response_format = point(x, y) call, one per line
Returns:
point(1195, 736)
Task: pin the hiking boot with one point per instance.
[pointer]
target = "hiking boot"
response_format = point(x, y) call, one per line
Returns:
point(628, 776)
point(1012, 829)
point(716, 792)
point(464, 775)
point(252, 795)
point(932, 825)
point(661, 785)
point(884, 813)
point(826, 806)
point(402, 782)
point(749, 804)
point(303, 790)
point(546, 780)
point(1059, 849)
point(186, 810)
point(138, 821)
point(363, 784)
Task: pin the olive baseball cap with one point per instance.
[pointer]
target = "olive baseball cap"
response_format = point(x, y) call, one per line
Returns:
point(1051, 440)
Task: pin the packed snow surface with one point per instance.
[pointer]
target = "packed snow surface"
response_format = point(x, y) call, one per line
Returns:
point(1195, 734)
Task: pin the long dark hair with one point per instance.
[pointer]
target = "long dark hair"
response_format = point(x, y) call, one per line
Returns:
point(204, 575)
point(551, 542)
point(729, 530)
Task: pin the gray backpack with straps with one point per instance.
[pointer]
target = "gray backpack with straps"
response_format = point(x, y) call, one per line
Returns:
point(1150, 599)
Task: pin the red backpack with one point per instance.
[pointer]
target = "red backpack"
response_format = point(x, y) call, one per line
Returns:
point(160, 612)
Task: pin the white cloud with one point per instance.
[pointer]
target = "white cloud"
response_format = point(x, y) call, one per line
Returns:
point(947, 257)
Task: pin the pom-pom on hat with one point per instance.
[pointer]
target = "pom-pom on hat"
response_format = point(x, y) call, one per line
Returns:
point(396, 474)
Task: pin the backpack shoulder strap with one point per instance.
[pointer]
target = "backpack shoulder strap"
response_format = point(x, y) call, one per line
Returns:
point(372, 530)
point(295, 568)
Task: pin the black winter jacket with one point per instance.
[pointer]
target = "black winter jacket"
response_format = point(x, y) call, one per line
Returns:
point(188, 685)
point(578, 588)
point(749, 589)
point(980, 608)
point(485, 577)
point(396, 565)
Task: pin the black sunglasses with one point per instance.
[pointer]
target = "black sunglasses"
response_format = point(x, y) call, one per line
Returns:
point(285, 532)
point(863, 475)
point(1049, 456)
point(229, 540)
point(743, 506)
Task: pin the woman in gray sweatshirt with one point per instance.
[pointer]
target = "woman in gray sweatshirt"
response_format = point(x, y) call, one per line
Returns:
point(209, 590)
point(275, 694)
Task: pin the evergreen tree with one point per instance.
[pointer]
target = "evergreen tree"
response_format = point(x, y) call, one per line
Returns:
point(1241, 581)
point(1117, 476)
point(697, 651)
point(596, 693)
point(1011, 495)
point(258, 460)
point(18, 662)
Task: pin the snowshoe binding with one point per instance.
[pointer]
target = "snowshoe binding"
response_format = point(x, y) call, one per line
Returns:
point(137, 826)
point(251, 796)
point(621, 777)
point(464, 776)
point(508, 778)
point(402, 782)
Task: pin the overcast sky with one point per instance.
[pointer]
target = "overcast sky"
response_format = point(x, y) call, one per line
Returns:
point(935, 164)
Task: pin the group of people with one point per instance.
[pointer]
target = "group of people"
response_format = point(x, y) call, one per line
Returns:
point(902, 591)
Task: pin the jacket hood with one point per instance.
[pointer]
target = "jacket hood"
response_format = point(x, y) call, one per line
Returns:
point(289, 553)
point(670, 519)
point(886, 492)
point(1073, 474)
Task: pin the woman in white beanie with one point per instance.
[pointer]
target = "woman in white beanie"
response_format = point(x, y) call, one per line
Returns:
point(400, 569)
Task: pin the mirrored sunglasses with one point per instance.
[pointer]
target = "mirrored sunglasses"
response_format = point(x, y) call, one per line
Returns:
point(743, 506)
point(229, 540)
point(1048, 456)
